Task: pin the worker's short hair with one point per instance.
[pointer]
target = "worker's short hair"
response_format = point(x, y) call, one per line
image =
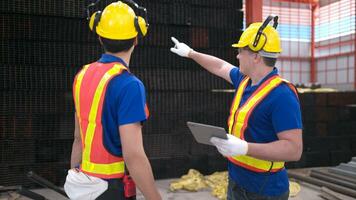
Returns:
point(116, 46)
point(271, 62)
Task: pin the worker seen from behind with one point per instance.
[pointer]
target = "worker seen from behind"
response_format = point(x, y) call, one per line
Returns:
point(264, 126)
point(110, 107)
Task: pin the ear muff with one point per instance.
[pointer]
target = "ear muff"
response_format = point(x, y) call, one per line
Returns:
point(94, 21)
point(141, 26)
point(258, 44)
point(260, 39)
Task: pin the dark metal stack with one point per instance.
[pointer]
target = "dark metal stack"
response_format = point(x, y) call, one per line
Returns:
point(178, 89)
point(44, 44)
point(329, 128)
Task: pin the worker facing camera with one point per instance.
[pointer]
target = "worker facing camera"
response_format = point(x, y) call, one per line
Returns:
point(265, 125)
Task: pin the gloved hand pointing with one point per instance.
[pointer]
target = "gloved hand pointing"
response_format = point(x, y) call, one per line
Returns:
point(232, 146)
point(180, 48)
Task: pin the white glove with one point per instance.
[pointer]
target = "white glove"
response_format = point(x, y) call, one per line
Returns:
point(180, 48)
point(232, 146)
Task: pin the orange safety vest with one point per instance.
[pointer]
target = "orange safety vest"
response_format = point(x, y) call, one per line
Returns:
point(89, 90)
point(239, 117)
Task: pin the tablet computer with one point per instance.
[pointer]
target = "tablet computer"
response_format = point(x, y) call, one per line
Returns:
point(203, 132)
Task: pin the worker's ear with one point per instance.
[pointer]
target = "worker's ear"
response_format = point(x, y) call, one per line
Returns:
point(257, 58)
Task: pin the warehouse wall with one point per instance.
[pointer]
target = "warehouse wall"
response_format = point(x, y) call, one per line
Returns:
point(294, 29)
point(335, 44)
point(334, 37)
point(44, 44)
point(178, 89)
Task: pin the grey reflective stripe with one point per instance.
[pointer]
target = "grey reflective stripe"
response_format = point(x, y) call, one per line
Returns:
point(268, 54)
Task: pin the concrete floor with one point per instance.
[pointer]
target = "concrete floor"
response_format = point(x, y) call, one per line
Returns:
point(308, 191)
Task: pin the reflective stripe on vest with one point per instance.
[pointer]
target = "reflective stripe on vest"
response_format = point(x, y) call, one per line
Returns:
point(89, 112)
point(236, 102)
point(238, 122)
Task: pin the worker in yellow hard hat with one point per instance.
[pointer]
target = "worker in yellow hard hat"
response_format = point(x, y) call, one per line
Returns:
point(110, 106)
point(264, 126)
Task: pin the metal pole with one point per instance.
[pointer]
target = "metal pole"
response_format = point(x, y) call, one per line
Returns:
point(330, 179)
point(253, 11)
point(312, 45)
point(333, 175)
point(45, 183)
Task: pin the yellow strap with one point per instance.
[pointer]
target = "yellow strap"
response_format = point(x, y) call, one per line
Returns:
point(264, 165)
point(116, 69)
point(242, 119)
point(77, 95)
point(241, 115)
point(106, 169)
point(87, 165)
point(236, 102)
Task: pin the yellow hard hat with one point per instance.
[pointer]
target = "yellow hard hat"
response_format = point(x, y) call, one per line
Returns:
point(118, 22)
point(263, 37)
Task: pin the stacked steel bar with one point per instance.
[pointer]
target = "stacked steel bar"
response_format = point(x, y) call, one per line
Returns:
point(178, 89)
point(329, 132)
point(334, 181)
point(45, 43)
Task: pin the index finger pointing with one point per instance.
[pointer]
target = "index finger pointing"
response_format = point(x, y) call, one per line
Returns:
point(174, 40)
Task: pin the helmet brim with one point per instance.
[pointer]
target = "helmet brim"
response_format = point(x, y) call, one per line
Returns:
point(239, 45)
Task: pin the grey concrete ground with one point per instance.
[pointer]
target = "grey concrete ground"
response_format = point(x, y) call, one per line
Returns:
point(308, 192)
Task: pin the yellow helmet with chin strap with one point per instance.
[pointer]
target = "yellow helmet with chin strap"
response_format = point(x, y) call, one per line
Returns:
point(118, 21)
point(262, 38)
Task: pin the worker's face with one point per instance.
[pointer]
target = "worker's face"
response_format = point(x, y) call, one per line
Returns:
point(247, 60)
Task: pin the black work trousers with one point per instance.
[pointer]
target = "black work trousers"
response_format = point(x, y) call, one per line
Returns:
point(115, 191)
point(235, 192)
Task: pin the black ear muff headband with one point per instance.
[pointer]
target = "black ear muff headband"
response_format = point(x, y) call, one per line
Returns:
point(140, 8)
point(137, 26)
point(263, 26)
point(88, 8)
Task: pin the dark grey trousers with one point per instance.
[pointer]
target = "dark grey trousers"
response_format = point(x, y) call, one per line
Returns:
point(234, 192)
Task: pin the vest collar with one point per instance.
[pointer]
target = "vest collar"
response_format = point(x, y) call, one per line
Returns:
point(108, 58)
point(272, 73)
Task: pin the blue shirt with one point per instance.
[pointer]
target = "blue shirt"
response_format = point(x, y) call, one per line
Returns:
point(124, 103)
point(278, 111)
